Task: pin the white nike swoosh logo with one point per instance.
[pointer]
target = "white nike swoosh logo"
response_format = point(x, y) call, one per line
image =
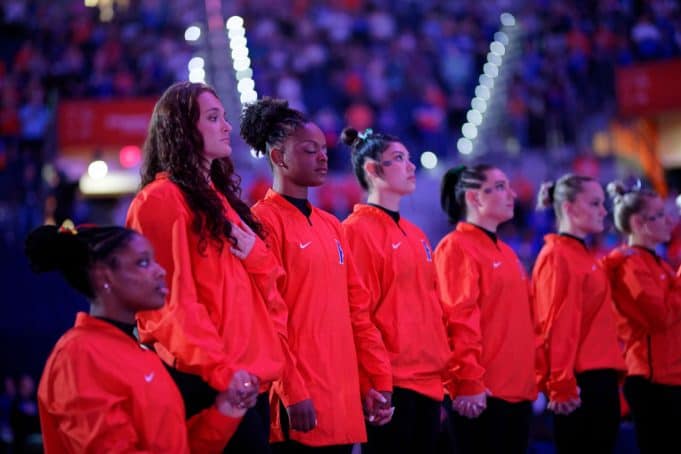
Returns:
point(304, 245)
point(496, 264)
point(396, 245)
point(149, 377)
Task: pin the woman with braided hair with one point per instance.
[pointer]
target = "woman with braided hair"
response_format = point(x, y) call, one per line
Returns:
point(101, 392)
point(579, 359)
point(647, 296)
point(395, 260)
point(485, 294)
point(340, 359)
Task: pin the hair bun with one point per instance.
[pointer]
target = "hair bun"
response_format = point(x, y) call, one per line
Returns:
point(545, 197)
point(350, 136)
point(49, 250)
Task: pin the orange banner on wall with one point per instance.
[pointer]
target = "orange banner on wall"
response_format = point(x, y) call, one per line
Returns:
point(103, 123)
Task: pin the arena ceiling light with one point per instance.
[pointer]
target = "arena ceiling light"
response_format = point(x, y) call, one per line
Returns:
point(238, 44)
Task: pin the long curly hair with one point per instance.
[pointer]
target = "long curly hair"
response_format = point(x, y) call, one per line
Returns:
point(175, 145)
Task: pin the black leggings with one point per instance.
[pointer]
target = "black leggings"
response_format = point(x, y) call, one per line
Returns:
point(593, 427)
point(656, 411)
point(414, 428)
point(503, 427)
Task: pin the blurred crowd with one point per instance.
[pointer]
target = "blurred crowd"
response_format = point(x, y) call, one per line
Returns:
point(406, 67)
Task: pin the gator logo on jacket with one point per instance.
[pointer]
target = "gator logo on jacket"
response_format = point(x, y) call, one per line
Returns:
point(426, 247)
point(341, 254)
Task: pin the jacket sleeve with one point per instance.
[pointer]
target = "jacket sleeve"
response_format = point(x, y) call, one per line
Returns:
point(561, 291)
point(265, 266)
point(639, 296)
point(86, 416)
point(182, 326)
point(459, 285)
point(375, 370)
point(209, 431)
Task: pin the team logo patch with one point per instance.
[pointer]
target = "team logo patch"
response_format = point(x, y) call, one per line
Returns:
point(426, 247)
point(341, 254)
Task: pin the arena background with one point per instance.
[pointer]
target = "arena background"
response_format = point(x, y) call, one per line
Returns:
point(539, 88)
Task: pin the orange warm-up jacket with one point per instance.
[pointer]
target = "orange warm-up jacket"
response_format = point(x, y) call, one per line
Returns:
point(647, 296)
point(329, 326)
point(574, 316)
point(215, 319)
point(485, 294)
point(395, 262)
point(102, 392)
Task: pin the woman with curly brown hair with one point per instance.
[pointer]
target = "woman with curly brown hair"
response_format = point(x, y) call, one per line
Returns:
point(220, 275)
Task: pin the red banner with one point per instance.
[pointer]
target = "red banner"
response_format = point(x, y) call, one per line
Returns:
point(103, 123)
point(649, 89)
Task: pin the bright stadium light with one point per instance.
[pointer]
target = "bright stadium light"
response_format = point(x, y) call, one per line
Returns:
point(464, 145)
point(428, 160)
point(245, 85)
point(474, 116)
point(490, 69)
point(482, 92)
point(234, 22)
point(192, 33)
point(196, 63)
point(97, 169)
point(497, 48)
point(501, 37)
point(197, 75)
point(469, 131)
point(486, 80)
point(244, 74)
point(507, 19)
point(494, 59)
point(479, 104)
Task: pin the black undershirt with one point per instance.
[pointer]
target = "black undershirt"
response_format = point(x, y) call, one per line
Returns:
point(395, 215)
point(492, 236)
point(127, 328)
point(302, 204)
point(569, 235)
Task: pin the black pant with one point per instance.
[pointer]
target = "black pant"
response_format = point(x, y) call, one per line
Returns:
point(414, 428)
point(593, 427)
point(293, 447)
point(252, 435)
point(503, 427)
point(656, 411)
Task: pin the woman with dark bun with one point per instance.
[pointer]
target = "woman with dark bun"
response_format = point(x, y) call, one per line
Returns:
point(485, 294)
point(579, 359)
point(223, 310)
point(334, 343)
point(647, 296)
point(394, 259)
point(101, 392)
